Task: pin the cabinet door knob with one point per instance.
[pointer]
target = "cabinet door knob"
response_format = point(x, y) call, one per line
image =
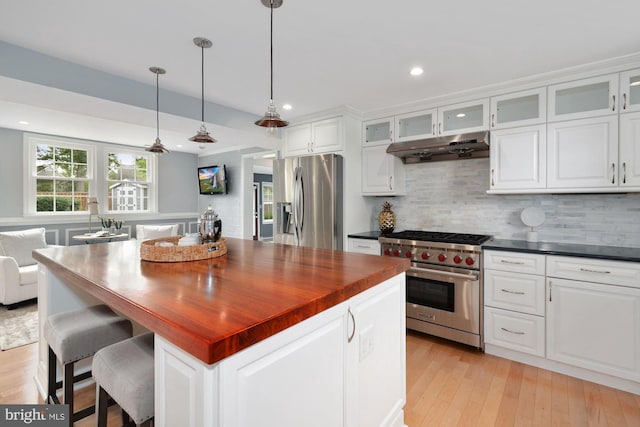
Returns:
point(624, 101)
point(613, 107)
point(440, 127)
point(433, 131)
point(624, 172)
point(492, 180)
point(391, 135)
point(391, 183)
point(493, 122)
point(613, 173)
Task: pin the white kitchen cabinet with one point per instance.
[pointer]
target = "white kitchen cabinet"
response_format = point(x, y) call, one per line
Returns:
point(465, 117)
point(629, 175)
point(378, 131)
point(376, 357)
point(583, 153)
point(592, 97)
point(594, 326)
point(364, 246)
point(382, 173)
point(514, 301)
point(416, 125)
point(323, 136)
point(630, 91)
point(523, 108)
point(518, 158)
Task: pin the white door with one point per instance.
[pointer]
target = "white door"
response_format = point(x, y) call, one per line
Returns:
point(416, 125)
point(297, 140)
point(519, 158)
point(377, 170)
point(584, 98)
point(519, 109)
point(326, 135)
point(465, 117)
point(583, 153)
point(378, 131)
point(630, 150)
point(594, 326)
point(630, 91)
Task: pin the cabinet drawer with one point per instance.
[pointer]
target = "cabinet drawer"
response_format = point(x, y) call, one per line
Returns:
point(364, 246)
point(517, 262)
point(514, 291)
point(594, 270)
point(515, 331)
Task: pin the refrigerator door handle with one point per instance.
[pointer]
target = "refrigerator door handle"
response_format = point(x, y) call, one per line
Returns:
point(301, 203)
point(295, 203)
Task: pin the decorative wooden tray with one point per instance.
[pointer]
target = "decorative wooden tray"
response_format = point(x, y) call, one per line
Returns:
point(150, 252)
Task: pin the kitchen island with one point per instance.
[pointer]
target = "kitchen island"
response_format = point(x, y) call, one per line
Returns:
point(266, 335)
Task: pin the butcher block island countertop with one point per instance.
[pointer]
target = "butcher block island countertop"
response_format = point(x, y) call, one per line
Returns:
point(216, 307)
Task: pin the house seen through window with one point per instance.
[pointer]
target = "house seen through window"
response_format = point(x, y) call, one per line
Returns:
point(127, 182)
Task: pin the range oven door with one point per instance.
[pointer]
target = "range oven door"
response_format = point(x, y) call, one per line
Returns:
point(445, 296)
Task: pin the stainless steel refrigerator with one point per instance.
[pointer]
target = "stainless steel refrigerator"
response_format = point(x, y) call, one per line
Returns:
point(307, 194)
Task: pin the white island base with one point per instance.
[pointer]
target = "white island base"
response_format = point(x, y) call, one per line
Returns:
point(342, 367)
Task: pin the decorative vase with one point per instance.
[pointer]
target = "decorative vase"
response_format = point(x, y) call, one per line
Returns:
point(386, 219)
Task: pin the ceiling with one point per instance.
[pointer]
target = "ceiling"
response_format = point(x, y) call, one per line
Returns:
point(327, 54)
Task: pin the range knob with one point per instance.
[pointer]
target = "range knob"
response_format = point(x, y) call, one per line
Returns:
point(457, 259)
point(396, 252)
point(442, 257)
point(470, 261)
point(387, 251)
point(408, 254)
point(425, 255)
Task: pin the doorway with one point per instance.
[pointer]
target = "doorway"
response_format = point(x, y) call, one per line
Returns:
point(257, 198)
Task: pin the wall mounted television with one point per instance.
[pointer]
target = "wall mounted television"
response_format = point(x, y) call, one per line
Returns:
point(212, 179)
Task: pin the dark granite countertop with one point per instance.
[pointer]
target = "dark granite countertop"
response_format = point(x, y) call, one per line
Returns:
point(566, 249)
point(371, 235)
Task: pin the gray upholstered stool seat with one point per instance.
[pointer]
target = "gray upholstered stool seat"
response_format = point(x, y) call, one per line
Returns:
point(124, 371)
point(75, 335)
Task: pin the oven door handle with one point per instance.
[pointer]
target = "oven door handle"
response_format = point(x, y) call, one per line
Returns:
point(420, 272)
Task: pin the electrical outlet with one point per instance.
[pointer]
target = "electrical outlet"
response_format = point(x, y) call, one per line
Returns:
point(366, 342)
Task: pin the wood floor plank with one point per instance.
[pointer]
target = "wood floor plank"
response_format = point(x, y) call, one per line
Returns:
point(559, 400)
point(630, 407)
point(611, 407)
point(593, 403)
point(577, 404)
point(526, 399)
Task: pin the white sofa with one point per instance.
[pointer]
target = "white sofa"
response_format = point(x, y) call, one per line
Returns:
point(18, 270)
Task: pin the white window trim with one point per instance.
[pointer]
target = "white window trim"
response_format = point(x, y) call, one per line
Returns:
point(96, 172)
point(265, 221)
point(30, 141)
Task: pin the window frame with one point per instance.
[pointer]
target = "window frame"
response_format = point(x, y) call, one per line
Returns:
point(263, 203)
point(97, 167)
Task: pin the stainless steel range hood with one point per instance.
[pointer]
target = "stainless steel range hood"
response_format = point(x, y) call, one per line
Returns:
point(455, 147)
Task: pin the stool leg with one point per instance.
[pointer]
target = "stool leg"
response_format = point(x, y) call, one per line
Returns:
point(103, 403)
point(68, 386)
point(146, 423)
point(51, 387)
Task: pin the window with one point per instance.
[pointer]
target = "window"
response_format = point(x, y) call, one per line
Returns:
point(127, 182)
point(60, 176)
point(267, 202)
point(61, 173)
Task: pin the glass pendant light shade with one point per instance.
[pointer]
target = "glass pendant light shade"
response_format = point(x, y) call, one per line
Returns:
point(157, 146)
point(202, 137)
point(271, 118)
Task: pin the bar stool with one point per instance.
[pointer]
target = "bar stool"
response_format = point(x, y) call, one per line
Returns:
point(76, 335)
point(124, 372)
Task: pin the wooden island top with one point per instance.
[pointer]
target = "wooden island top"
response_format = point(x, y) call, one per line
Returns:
point(214, 308)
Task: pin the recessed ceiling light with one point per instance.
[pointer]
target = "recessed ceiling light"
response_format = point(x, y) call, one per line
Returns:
point(416, 71)
point(460, 115)
point(179, 145)
point(23, 122)
point(287, 107)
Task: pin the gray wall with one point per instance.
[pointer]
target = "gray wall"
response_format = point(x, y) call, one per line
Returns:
point(451, 196)
point(10, 173)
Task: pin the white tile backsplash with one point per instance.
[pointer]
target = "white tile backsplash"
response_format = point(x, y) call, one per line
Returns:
point(451, 196)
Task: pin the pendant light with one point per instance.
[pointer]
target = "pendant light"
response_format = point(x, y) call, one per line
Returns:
point(202, 136)
point(271, 118)
point(157, 146)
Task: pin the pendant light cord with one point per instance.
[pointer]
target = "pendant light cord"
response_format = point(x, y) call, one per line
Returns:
point(157, 106)
point(202, 74)
point(271, 38)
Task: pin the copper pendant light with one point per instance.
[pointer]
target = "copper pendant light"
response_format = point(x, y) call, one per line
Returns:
point(271, 118)
point(202, 136)
point(157, 146)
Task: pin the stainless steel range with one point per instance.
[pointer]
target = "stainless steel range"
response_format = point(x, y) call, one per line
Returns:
point(444, 283)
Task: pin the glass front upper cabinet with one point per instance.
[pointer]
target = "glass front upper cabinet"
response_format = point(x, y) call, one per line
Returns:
point(580, 99)
point(630, 90)
point(416, 125)
point(378, 131)
point(519, 109)
point(465, 117)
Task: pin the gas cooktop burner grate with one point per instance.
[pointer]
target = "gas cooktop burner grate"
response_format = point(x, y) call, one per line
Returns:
point(436, 236)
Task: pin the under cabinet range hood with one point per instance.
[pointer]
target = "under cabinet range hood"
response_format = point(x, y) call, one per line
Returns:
point(454, 147)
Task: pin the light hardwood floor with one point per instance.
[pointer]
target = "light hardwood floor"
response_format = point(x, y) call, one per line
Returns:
point(448, 384)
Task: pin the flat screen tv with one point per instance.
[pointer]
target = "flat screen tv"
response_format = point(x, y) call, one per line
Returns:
point(212, 179)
